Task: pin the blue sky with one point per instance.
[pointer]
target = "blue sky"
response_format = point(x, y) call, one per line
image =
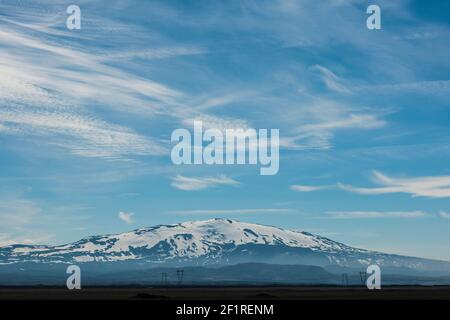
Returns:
point(86, 117)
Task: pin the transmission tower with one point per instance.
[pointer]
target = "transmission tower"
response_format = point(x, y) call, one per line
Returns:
point(180, 273)
point(163, 279)
point(344, 279)
point(363, 276)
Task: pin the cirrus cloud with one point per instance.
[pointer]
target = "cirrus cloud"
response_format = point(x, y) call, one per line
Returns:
point(304, 188)
point(201, 183)
point(444, 215)
point(375, 214)
point(431, 186)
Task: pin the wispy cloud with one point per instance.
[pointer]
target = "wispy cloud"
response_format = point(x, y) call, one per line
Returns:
point(201, 183)
point(304, 188)
point(322, 119)
point(375, 214)
point(61, 96)
point(435, 88)
point(351, 121)
point(432, 187)
point(214, 122)
point(444, 215)
point(31, 239)
point(156, 53)
point(21, 219)
point(92, 79)
point(50, 97)
point(16, 211)
point(83, 135)
point(126, 217)
point(331, 80)
point(221, 100)
point(233, 211)
point(89, 75)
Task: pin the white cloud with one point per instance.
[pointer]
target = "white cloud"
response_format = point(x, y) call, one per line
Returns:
point(88, 76)
point(332, 81)
point(90, 80)
point(83, 135)
point(7, 242)
point(303, 188)
point(214, 101)
point(444, 215)
point(233, 211)
point(17, 211)
point(51, 97)
point(375, 214)
point(30, 239)
point(156, 53)
point(321, 119)
point(361, 121)
point(433, 87)
point(20, 221)
point(126, 217)
point(432, 187)
point(213, 122)
point(200, 183)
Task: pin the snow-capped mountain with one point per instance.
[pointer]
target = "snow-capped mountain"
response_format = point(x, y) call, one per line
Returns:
point(211, 242)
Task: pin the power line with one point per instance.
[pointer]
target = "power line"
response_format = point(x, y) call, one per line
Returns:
point(344, 279)
point(164, 279)
point(180, 274)
point(363, 276)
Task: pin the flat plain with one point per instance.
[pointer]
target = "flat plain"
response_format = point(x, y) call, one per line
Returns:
point(227, 293)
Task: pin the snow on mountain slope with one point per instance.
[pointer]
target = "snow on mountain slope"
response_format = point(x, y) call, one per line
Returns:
point(188, 239)
point(214, 241)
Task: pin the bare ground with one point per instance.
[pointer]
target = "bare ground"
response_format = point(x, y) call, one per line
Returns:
point(228, 293)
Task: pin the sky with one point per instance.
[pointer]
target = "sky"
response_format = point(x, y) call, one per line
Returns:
point(86, 118)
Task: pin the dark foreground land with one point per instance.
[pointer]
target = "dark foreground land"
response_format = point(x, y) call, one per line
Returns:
point(228, 293)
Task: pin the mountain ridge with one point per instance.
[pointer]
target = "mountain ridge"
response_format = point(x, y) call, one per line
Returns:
point(212, 242)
